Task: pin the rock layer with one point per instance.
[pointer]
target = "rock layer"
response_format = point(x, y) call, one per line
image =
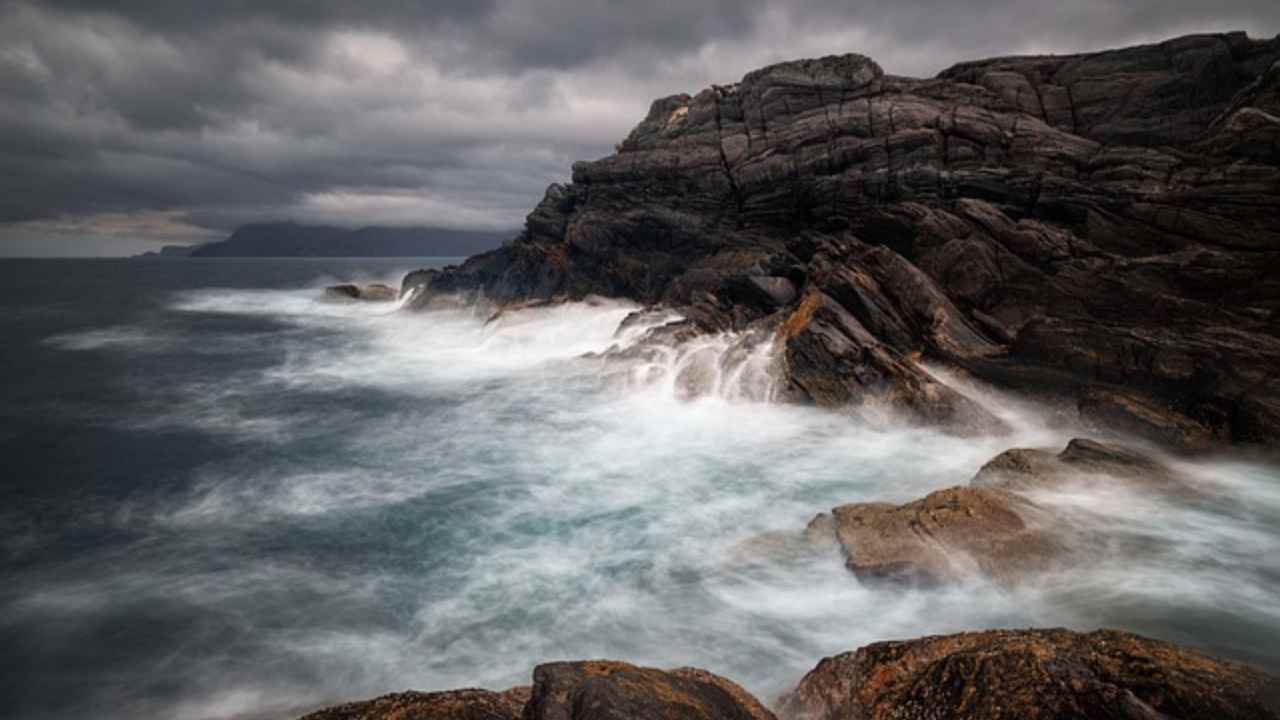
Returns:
point(1101, 225)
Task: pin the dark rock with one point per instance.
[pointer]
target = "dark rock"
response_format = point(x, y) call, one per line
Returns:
point(1015, 674)
point(375, 292)
point(602, 689)
point(1081, 224)
point(449, 705)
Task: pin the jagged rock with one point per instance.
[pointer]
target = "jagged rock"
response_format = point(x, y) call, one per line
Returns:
point(1015, 674)
point(604, 690)
point(1062, 223)
point(376, 292)
point(470, 704)
point(834, 361)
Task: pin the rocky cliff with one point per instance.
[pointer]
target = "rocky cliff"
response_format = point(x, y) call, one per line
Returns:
point(1103, 226)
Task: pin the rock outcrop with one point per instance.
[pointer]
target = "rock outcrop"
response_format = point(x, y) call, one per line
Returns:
point(1100, 226)
point(1016, 674)
point(989, 528)
point(376, 292)
point(993, 675)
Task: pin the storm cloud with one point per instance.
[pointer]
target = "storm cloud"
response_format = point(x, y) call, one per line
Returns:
point(129, 124)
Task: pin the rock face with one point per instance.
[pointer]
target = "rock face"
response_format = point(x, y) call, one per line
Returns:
point(1100, 225)
point(1011, 675)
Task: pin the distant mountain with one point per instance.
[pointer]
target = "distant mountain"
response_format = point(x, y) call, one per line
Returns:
point(287, 239)
point(169, 252)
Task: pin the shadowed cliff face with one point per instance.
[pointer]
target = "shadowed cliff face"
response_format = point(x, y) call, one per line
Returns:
point(1101, 226)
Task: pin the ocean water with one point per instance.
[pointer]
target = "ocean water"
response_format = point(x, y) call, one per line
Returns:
point(224, 497)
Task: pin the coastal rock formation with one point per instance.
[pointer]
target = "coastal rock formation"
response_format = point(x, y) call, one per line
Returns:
point(1016, 674)
point(992, 675)
point(376, 292)
point(1100, 226)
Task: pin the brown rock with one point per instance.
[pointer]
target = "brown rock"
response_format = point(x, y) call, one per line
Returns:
point(470, 704)
point(1024, 468)
point(602, 689)
point(1016, 674)
point(946, 535)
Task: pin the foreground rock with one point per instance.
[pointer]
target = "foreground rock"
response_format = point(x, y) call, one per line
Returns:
point(1012, 675)
point(1099, 225)
point(376, 292)
point(993, 675)
point(470, 704)
point(989, 528)
point(588, 690)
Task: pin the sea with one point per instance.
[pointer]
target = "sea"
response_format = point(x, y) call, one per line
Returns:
point(224, 496)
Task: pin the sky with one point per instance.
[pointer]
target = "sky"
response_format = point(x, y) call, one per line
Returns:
point(132, 124)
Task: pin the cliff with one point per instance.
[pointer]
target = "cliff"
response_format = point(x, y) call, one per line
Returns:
point(1102, 226)
point(286, 239)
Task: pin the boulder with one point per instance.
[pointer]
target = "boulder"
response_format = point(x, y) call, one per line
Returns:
point(608, 690)
point(1016, 674)
point(470, 704)
point(375, 292)
point(946, 535)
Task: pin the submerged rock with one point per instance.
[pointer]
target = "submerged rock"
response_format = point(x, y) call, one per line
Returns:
point(1099, 225)
point(1017, 674)
point(988, 529)
point(376, 292)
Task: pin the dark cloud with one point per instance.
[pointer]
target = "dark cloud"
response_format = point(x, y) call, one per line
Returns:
point(138, 122)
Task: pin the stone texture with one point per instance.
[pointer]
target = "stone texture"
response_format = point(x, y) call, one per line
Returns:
point(1019, 674)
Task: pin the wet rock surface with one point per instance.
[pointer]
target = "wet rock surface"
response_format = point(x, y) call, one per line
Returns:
point(990, 528)
point(1007, 674)
point(1099, 225)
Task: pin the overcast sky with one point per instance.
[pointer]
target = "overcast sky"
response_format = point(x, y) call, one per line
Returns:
point(126, 125)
